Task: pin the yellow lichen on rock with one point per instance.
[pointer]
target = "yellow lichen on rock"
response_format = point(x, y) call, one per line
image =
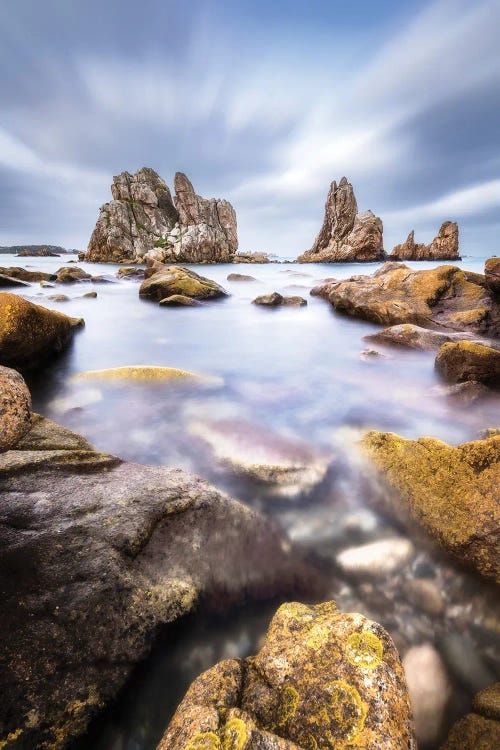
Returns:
point(234, 734)
point(348, 711)
point(145, 374)
point(364, 650)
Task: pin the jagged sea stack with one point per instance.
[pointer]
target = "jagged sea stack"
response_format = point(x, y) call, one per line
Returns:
point(143, 221)
point(444, 246)
point(346, 235)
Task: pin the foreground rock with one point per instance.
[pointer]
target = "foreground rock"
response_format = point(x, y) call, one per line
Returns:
point(321, 680)
point(15, 408)
point(452, 492)
point(492, 274)
point(95, 555)
point(438, 298)
point(479, 730)
point(31, 335)
point(346, 235)
point(287, 468)
point(416, 337)
point(178, 280)
point(468, 361)
point(277, 300)
point(443, 247)
point(142, 220)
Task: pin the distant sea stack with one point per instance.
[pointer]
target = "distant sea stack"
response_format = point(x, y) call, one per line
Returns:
point(443, 247)
point(143, 221)
point(346, 235)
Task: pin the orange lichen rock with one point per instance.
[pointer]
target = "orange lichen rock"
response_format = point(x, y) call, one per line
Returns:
point(451, 491)
point(322, 680)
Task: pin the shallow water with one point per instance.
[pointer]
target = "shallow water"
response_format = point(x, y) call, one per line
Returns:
point(290, 374)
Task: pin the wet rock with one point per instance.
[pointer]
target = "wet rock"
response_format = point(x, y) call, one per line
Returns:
point(424, 595)
point(31, 335)
point(179, 300)
point(143, 221)
point(436, 298)
point(89, 295)
point(376, 559)
point(451, 491)
point(346, 235)
point(487, 702)
point(465, 360)
point(15, 408)
point(277, 300)
point(58, 298)
point(321, 679)
point(240, 277)
point(32, 276)
point(178, 280)
point(95, 556)
point(465, 393)
point(71, 275)
point(443, 247)
point(145, 373)
point(47, 285)
point(370, 354)
point(430, 690)
point(492, 274)
point(130, 272)
point(416, 337)
point(489, 432)
point(288, 468)
point(8, 281)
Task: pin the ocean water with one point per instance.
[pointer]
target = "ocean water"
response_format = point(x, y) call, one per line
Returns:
point(284, 376)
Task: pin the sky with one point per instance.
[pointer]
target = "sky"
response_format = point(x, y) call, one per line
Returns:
point(263, 103)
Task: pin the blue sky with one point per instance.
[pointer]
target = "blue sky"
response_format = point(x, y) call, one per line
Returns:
point(263, 103)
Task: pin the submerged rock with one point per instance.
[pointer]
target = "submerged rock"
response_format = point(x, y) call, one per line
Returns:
point(346, 235)
point(451, 491)
point(15, 408)
point(430, 690)
point(443, 247)
point(178, 280)
point(145, 373)
point(465, 361)
point(95, 556)
point(376, 559)
point(240, 277)
point(416, 337)
point(277, 300)
point(31, 335)
point(143, 220)
point(322, 679)
point(58, 298)
point(436, 298)
point(288, 468)
point(179, 300)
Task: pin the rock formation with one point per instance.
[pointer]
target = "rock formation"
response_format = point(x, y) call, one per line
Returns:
point(30, 334)
point(143, 221)
point(346, 235)
point(443, 247)
point(170, 280)
point(451, 491)
point(97, 554)
point(442, 297)
point(322, 679)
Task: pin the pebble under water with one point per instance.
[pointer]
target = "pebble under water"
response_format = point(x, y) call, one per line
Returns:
point(281, 380)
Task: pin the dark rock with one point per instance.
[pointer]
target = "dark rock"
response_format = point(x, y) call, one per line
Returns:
point(8, 281)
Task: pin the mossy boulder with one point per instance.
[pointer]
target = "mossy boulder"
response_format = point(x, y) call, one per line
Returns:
point(97, 554)
point(15, 408)
point(479, 730)
point(321, 680)
point(461, 361)
point(441, 297)
point(451, 491)
point(178, 280)
point(144, 374)
point(31, 335)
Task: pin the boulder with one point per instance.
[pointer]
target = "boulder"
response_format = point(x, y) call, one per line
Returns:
point(178, 280)
point(142, 221)
point(346, 235)
point(95, 556)
point(450, 491)
point(282, 466)
point(463, 361)
point(179, 300)
point(58, 298)
point(479, 730)
point(416, 337)
point(31, 335)
point(436, 298)
point(15, 408)
point(322, 679)
point(16, 272)
point(492, 274)
point(71, 275)
point(9, 281)
point(443, 247)
point(276, 300)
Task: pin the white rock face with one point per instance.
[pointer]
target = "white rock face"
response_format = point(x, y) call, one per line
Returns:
point(376, 558)
point(429, 689)
point(142, 222)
